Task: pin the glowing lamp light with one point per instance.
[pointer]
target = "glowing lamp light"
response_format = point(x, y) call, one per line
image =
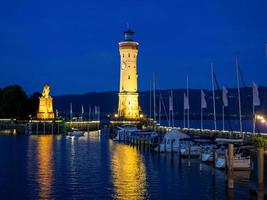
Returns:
point(141, 115)
point(262, 119)
point(116, 115)
point(259, 117)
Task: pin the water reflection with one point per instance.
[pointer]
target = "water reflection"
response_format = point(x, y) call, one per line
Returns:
point(44, 165)
point(128, 173)
point(93, 168)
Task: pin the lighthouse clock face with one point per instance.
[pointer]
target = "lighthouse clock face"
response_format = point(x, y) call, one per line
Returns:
point(123, 65)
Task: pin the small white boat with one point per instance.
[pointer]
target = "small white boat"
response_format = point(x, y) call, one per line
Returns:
point(240, 162)
point(124, 132)
point(206, 153)
point(191, 149)
point(220, 163)
point(74, 133)
point(171, 141)
point(206, 157)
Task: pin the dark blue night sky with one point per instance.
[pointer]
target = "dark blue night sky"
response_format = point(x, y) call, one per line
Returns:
point(73, 45)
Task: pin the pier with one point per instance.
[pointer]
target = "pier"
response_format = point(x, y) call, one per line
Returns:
point(258, 154)
point(13, 126)
point(83, 125)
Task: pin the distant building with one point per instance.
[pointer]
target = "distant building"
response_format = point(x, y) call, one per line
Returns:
point(128, 107)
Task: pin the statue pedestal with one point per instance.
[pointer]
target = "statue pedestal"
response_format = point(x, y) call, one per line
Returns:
point(45, 116)
point(46, 108)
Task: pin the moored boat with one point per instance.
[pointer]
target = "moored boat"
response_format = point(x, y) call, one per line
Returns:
point(171, 141)
point(241, 159)
point(124, 132)
point(206, 153)
point(74, 133)
point(190, 149)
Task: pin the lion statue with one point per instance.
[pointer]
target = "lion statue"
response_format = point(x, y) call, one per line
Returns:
point(46, 91)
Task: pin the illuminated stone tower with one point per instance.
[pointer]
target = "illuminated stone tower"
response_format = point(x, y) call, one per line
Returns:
point(128, 97)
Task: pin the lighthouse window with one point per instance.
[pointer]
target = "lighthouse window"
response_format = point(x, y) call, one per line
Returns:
point(123, 55)
point(129, 77)
point(129, 55)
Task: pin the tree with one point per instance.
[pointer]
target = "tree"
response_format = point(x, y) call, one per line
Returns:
point(33, 103)
point(13, 102)
point(0, 102)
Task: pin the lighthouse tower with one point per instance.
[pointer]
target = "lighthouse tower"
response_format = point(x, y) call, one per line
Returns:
point(128, 96)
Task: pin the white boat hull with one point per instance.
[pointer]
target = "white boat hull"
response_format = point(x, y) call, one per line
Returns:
point(220, 163)
point(169, 148)
point(239, 163)
point(242, 164)
point(75, 134)
point(206, 157)
point(194, 151)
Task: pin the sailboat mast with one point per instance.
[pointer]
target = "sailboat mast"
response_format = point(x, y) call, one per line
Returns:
point(89, 115)
point(223, 117)
point(154, 95)
point(172, 110)
point(170, 120)
point(213, 94)
point(159, 108)
point(150, 100)
point(70, 111)
point(98, 113)
point(201, 118)
point(254, 119)
point(171, 123)
point(201, 111)
point(184, 117)
point(82, 112)
point(238, 91)
point(187, 86)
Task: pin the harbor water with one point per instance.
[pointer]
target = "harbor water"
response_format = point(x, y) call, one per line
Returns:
point(95, 167)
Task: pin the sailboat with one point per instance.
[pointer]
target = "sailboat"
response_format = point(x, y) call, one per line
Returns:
point(82, 112)
point(189, 147)
point(186, 106)
point(171, 120)
point(241, 160)
point(238, 92)
point(152, 90)
point(154, 97)
point(213, 97)
point(74, 133)
point(225, 104)
point(256, 102)
point(203, 106)
point(70, 111)
point(171, 140)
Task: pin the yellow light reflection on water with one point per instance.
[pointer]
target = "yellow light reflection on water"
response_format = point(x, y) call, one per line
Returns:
point(128, 173)
point(44, 165)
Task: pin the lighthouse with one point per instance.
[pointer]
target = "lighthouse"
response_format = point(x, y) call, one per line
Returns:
point(128, 107)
